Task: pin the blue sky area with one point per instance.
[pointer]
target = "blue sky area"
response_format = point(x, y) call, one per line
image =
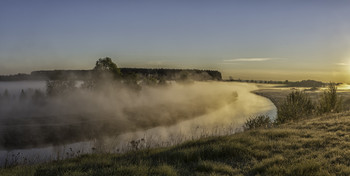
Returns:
point(278, 40)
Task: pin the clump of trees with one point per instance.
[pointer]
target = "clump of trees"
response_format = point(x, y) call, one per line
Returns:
point(299, 105)
point(106, 65)
point(105, 72)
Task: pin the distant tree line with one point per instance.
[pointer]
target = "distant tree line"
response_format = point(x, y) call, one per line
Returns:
point(256, 81)
point(107, 72)
point(306, 83)
point(106, 64)
point(286, 83)
point(20, 77)
point(167, 74)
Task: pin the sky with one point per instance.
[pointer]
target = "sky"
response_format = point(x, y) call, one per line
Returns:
point(246, 39)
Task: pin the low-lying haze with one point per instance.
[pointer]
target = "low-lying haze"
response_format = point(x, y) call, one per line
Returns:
point(32, 119)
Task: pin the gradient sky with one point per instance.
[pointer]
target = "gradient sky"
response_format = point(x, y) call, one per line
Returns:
point(262, 39)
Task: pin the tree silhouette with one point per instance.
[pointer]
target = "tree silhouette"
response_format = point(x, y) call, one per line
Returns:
point(107, 65)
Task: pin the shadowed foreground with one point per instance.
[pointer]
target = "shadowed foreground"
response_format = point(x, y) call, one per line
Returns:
point(316, 146)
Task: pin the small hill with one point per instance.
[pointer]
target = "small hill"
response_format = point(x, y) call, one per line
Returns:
point(314, 146)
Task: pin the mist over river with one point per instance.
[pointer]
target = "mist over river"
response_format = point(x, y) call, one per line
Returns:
point(117, 119)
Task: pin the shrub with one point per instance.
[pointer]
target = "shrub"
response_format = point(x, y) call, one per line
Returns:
point(296, 105)
point(330, 101)
point(258, 122)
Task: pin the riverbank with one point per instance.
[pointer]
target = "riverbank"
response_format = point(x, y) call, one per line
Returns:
point(315, 146)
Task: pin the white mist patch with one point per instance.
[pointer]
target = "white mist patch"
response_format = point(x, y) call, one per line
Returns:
point(225, 120)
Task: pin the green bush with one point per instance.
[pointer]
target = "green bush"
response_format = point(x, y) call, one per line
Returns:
point(296, 105)
point(258, 122)
point(330, 101)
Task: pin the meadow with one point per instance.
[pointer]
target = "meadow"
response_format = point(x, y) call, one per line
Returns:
point(312, 146)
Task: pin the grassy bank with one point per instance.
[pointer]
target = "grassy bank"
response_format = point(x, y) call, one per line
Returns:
point(316, 146)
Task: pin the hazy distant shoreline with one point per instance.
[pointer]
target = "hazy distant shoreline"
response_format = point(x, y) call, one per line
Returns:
point(167, 74)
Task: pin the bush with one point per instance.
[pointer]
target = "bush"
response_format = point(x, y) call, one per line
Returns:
point(330, 101)
point(258, 122)
point(296, 105)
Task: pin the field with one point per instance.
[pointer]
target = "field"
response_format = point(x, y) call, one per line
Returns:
point(315, 146)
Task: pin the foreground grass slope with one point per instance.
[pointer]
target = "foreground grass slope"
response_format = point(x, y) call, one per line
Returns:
point(315, 146)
